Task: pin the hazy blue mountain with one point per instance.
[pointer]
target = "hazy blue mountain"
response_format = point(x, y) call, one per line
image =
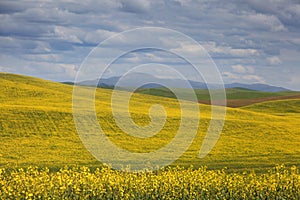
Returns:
point(256, 86)
point(148, 81)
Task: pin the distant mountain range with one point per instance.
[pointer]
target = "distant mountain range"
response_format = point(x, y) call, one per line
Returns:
point(257, 87)
point(138, 79)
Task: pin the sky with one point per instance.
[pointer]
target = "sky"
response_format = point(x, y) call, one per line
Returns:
point(251, 41)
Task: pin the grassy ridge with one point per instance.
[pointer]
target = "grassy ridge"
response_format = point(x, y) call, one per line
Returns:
point(279, 107)
point(236, 97)
point(232, 93)
point(37, 128)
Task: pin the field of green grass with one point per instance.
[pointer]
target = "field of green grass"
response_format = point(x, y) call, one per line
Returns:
point(232, 93)
point(37, 128)
point(280, 107)
point(236, 97)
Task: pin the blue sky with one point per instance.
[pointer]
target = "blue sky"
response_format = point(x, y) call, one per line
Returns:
point(250, 41)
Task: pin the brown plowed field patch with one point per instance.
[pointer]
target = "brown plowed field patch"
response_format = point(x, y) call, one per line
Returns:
point(236, 103)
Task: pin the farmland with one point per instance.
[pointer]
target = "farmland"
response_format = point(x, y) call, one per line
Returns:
point(236, 97)
point(37, 129)
point(172, 183)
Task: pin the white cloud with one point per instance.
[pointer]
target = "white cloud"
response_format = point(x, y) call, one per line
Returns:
point(274, 60)
point(212, 47)
point(189, 49)
point(242, 69)
point(287, 11)
point(239, 69)
point(248, 33)
point(294, 9)
point(184, 2)
point(234, 77)
point(263, 21)
point(70, 70)
point(133, 58)
point(97, 36)
point(68, 34)
point(244, 74)
point(255, 78)
point(230, 75)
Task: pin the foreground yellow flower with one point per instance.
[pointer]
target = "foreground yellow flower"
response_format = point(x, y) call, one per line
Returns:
point(172, 183)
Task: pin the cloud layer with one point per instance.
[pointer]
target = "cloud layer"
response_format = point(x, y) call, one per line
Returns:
point(250, 41)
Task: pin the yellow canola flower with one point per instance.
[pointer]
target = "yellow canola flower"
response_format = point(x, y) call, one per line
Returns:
point(171, 183)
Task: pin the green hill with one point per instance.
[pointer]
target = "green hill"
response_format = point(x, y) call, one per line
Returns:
point(236, 97)
point(279, 107)
point(232, 93)
point(37, 128)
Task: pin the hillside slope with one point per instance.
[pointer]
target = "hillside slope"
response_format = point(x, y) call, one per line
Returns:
point(276, 107)
point(37, 128)
point(236, 97)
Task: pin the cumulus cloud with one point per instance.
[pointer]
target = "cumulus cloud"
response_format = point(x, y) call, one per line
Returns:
point(242, 69)
point(244, 74)
point(230, 75)
point(212, 47)
point(243, 37)
point(262, 21)
point(67, 34)
point(243, 78)
point(286, 11)
point(184, 2)
point(274, 60)
point(98, 36)
point(255, 78)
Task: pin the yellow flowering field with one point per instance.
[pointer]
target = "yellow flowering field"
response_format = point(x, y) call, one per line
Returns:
point(37, 129)
point(171, 183)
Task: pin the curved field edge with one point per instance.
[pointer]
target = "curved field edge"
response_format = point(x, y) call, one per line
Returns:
point(37, 128)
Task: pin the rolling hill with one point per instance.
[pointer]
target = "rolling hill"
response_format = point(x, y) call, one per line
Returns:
point(37, 128)
point(236, 97)
point(280, 107)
